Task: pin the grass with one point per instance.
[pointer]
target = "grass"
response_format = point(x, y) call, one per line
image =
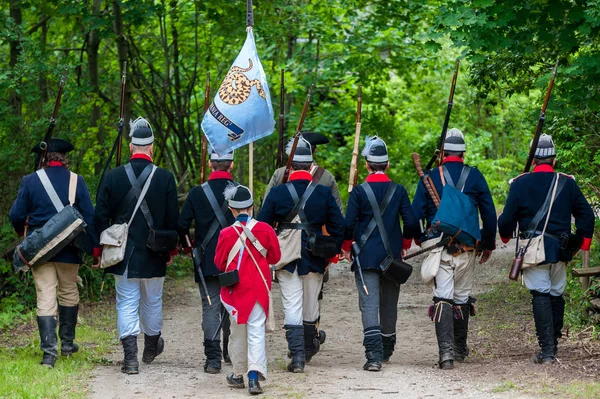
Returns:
point(21, 375)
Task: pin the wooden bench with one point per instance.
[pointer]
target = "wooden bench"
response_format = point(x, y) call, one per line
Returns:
point(587, 272)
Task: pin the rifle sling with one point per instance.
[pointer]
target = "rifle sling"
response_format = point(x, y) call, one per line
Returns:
point(219, 212)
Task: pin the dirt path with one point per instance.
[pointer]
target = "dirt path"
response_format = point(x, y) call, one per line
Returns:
point(335, 372)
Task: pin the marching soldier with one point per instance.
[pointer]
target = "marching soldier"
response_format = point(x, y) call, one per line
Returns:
point(206, 206)
point(546, 282)
point(139, 278)
point(378, 300)
point(301, 208)
point(59, 276)
point(454, 278)
point(246, 297)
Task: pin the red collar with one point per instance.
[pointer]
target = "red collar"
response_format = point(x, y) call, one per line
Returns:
point(55, 163)
point(220, 174)
point(301, 175)
point(453, 159)
point(377, 178)
point(141, 156)
point(543, 168)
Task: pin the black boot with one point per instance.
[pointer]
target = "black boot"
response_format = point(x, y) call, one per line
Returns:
point(544, 326)
point(153, 346)
point(388, 343)
point(311, 340)
point(558, 318)
point(295, 339)
point(226, 334)
point(67, 318)
point(48, 340)
point(443, 317)
point(235, 382)
point(212, 350)
point(373, 348)
point(130, 352)
point(461, 330)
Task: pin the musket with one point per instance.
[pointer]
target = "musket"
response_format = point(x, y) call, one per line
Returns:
point(354, 163)
point(355, 251)
point(427, 182)
point(121, 114)
point(288, 166)
point(439, 152)
point(281, 120)
point(541, 120)
point(48, 137)
point(204, 141)
point(441, 243)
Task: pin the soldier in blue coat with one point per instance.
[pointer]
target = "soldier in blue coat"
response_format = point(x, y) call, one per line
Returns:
point(30, 211)
point(547, 281)
point(301, 273)
point(197, 208)
point(453, 282)
point(378, 296)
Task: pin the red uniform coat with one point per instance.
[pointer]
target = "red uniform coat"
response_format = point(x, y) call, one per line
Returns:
point(240, 298)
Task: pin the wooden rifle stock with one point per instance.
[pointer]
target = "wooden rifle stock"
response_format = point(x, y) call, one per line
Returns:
point(204, 141)
point(541, 120)
point(427, 182)
point(281, 120)
point(444, 241)
point(354, 163)
point(288, 166)
point(48, 136)
point(439, 152)
point(121, 114)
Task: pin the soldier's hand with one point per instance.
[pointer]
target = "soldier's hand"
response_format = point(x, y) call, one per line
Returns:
point(348, 255)
point(404, 252)
point(170, 261)
point(96, 262)
point(485, 256)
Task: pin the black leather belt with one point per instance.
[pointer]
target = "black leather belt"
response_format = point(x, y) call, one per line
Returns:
point(299, 226)
point(525, 234)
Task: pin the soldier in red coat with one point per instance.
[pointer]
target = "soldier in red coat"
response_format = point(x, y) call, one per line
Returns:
point(246, 286)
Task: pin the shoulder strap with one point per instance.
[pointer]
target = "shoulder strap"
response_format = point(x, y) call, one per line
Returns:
point(72, 188)
point(464, 174)
point(142, 194)
point(136, 190)
point(299, 202)
point(317, 173)
point(377, 215)
point(246, 233)
point(377, 210)
point(555, 189)
point(219, 212)
point(50, 190)
point(254, 261)
point(447, 176)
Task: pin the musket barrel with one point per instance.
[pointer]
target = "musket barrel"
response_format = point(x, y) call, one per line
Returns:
point(354, 163)
point(203, 155)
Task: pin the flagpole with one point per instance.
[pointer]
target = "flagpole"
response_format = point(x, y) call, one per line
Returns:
point(249, 25)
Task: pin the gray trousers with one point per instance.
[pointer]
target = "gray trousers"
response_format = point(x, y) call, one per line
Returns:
point(380, 307)
point(211, 314)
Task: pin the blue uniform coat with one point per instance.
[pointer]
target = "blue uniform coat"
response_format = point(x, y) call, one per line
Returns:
point(321, 209)
point(33, 201)
point(526, 196)
point(359, 214)
point(475, 187)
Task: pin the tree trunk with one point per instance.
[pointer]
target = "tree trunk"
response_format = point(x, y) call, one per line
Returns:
point(14, 98)
point(93, 73)
point(122, 52)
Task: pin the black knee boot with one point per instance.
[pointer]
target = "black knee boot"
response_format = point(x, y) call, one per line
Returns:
point(48, 340)
point(311, 340)
point(461, 331)
point(295, 339)
point(544, 326)
point(153, 346)
point(226, 334)
point(373, 348)
point(389, 344)
point(212, 351)
point(442, 314)
point(67, 318)
point(130, 353)
point(558, 317)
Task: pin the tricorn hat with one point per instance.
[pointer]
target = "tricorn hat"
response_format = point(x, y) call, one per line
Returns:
point(375, 150)
point(455, 141)
point(315, 138)
point(545, 147)
point(238, 197)
point(140, 132)
point(55, 145)
point(303, 151)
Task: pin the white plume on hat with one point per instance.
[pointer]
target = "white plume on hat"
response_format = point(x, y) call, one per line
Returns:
point(138, 123)
point(230, 191)
point(238, 197)
point(301, 143)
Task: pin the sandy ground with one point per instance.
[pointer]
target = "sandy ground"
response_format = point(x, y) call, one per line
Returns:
point(335, 372)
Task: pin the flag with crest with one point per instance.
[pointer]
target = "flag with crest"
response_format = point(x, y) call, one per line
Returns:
point(241, 111)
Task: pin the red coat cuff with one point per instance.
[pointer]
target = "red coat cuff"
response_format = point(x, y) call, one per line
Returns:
point(97, 251)
point(347, 245)
point(335, 259)
point(587, 243)
point(505, 239)
point(173, 252)
point(406, 244)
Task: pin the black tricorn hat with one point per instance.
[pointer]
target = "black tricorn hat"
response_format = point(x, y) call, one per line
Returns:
point(55, 145)
point(315, 138)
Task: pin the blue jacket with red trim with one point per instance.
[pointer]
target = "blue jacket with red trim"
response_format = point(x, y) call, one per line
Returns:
point(526, 196)
point(359, 214)
point(475, 187)
point(321, 209)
